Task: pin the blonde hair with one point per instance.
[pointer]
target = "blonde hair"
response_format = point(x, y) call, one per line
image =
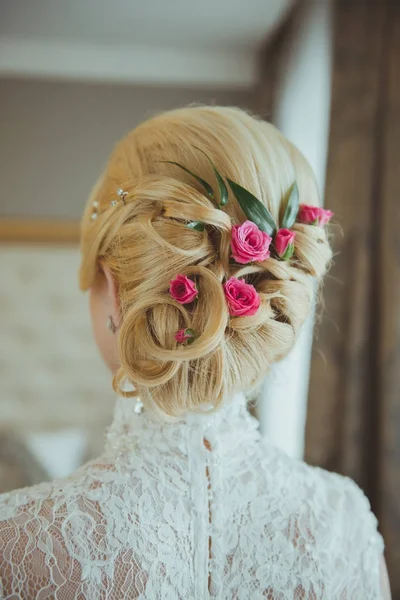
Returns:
point(146, 243)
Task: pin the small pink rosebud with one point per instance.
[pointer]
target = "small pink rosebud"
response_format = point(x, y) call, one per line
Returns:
point(308, 214)
point(314, 215)
point(242, 298)
point(185, 335)
point(183, 289)
point(324, 216)
point(284, 243)
point(249, 243)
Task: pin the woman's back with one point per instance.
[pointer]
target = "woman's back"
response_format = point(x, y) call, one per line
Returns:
point(195, 509)
point(202, 245)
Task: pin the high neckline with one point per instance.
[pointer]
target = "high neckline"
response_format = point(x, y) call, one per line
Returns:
point(131, 427)
point(126, 409)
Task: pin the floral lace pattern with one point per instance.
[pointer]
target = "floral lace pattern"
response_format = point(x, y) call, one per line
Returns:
point(163, 515)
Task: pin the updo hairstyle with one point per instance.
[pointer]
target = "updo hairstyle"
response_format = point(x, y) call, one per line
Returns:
point(145, 242)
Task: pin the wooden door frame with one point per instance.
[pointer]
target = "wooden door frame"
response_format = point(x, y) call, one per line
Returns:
point(39, 231)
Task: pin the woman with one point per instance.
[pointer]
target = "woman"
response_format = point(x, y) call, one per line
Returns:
point(201, 245)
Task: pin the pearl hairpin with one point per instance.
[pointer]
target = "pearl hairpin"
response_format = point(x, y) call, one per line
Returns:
point(95, 204)
point(121, 195)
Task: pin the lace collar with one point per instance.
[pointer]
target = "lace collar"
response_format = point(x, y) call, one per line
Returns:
point(135, 425)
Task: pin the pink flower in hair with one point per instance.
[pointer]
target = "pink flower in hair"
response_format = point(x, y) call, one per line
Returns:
point(249, 243)
point(284, 243)
point(185, 335)
point(314, 215)
point(324, 216)
point(308, 214)
point(183, 289)
point(241, 297)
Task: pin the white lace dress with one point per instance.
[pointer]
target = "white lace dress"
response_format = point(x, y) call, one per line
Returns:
point(162, 515)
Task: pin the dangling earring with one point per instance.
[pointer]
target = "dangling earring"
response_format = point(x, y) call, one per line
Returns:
point(111, 325)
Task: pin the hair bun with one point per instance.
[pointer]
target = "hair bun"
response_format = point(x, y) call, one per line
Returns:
point(150, 239)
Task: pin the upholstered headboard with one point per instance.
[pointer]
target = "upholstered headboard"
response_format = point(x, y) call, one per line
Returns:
point(51, 375)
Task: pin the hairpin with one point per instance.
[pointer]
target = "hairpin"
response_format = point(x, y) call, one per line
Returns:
point(95, 204)
point(121, 195)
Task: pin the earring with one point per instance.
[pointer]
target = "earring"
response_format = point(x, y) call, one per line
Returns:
point(111, 325)
point(138, 406)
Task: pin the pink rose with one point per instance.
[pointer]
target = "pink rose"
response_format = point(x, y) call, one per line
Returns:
point(249, 243)
point(324, 216)
point(184, 335)
point(314, 215)
point(284, 243)
point(308, 214)
point(183, 289)
point(242, 298)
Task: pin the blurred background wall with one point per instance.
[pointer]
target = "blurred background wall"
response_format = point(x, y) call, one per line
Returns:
point(57, 135)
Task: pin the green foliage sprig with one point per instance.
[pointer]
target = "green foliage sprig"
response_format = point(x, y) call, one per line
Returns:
point(254, 210)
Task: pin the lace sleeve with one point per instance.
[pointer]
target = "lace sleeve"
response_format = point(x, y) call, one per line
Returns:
point(363, 545)
point(65, 539)
point(33, 553)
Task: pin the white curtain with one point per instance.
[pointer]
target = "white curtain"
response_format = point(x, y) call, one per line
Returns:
point(302, 114)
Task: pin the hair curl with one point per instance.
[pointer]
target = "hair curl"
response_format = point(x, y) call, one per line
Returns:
point(146, 243)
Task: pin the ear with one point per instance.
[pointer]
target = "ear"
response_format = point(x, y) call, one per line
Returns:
point(112, 293)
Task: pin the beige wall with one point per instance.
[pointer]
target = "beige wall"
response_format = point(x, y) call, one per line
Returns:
point(56, 136)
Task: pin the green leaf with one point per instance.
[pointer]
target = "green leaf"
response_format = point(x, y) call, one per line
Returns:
point(292, 207)
point(190, 332)
point(206, 186)
point(223, 190)
point(197, 225)
point(253, 209)
point(193, 335)
point(288, 252)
